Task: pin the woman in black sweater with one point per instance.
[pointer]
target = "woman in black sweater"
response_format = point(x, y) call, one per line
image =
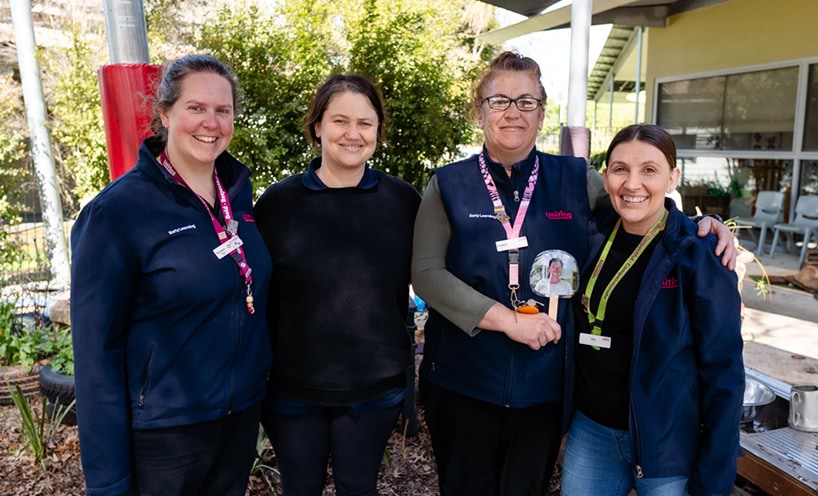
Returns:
point(340, 238)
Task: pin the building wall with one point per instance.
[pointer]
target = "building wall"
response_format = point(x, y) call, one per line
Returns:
point(735, 33)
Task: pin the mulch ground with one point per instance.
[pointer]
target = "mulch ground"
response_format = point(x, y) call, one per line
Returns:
point(408, 468)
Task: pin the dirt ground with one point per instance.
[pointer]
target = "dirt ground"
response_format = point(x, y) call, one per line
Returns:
point(408, 468)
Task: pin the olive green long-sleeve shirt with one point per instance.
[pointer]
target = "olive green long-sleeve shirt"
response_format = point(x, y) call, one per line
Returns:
point(454, 299)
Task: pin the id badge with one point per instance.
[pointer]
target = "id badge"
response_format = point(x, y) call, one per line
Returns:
point(228, 246)
point(594, 340)
point(512, 244)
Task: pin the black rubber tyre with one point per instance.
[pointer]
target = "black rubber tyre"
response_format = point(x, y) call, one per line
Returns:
point(58, 389)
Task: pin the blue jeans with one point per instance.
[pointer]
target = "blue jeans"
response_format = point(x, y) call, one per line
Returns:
point(598, 462)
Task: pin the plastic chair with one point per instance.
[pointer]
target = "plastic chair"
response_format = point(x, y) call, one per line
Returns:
point(769, 212)
point(805, 223)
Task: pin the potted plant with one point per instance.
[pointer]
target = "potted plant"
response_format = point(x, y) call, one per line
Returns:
point(20, 351)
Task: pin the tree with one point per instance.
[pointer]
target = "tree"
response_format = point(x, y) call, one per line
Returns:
point(423, 61)
point(424, 79)
point(279, 59)
point(77, 130)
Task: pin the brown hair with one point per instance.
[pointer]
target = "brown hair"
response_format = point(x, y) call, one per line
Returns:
point(506, 62)
point(335, 85)
point(646, 133)
point(170, 87)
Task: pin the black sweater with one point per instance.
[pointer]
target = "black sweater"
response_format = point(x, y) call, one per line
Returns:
point(339, 294)
point(602, 387)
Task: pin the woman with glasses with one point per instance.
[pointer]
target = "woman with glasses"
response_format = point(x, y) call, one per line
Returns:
point(340, 236)
point(492, 373)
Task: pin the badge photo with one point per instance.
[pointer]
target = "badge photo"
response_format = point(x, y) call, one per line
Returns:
point(554, 275)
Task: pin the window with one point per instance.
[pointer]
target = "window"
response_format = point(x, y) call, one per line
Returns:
point(728, 186)
point(811, 127)
point(809, 177)
point(750, 111)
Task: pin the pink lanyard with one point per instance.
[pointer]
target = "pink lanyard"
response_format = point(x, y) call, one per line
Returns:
point(224, 236)
point(512, 230)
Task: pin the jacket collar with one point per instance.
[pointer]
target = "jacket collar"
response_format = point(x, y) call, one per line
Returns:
point(499, 170)
point(231, 172)
point(677, 230)
point(313, 182)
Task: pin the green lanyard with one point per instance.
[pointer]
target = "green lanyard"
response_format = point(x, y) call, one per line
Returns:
point(597, 320)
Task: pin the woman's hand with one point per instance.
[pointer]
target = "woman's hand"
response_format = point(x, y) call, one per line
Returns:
point(534, 331)
point(725, 246)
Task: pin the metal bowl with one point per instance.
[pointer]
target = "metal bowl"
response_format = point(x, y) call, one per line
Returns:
point(756, 396)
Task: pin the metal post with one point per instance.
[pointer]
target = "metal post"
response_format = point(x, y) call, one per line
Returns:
point(127, 34)
point(638, 72)
point(610, 105)
point(575, 138)
point(40, 142)
point(578, 66)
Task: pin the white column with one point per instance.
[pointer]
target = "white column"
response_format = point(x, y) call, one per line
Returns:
point(40, 141)
point(578, 68)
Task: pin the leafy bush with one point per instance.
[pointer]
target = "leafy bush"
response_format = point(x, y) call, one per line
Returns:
point(26, 345)
point(60, 351)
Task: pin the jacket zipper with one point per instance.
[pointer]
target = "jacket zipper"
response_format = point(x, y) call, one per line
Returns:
point(237, 319)
point(144, 379)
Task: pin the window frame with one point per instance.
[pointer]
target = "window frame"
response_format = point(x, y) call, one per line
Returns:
point(796, 154)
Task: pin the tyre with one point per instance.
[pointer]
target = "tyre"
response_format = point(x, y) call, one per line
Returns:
point(58, 389)
point(15, 375)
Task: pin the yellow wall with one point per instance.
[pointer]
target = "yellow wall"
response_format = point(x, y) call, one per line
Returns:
point(732, 34)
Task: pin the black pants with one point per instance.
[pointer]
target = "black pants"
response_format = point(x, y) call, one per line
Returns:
point(209, 458)
point(483, 449)
point(303, 445)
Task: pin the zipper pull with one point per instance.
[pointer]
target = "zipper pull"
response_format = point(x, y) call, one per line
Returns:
point(141, 400)
point(639, 473)
point(516, 196)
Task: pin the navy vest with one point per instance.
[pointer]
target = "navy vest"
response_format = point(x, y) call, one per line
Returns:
point(489, 366)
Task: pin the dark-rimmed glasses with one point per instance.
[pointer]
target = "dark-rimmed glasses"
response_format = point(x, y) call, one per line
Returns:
point(523, 103)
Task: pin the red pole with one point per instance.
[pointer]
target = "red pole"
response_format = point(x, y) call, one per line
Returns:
point(125, 92)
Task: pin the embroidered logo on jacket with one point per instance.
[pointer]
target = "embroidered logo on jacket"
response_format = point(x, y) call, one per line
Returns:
point(670, 282)
point(247, 217)
point(482, 216)
point(180, 229)
point(559, 215)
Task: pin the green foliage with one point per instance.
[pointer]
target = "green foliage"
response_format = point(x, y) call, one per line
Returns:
point(267, 473)
point(416, 54)
point(77, 129)
point(425, 86)
point(279, 61)
point(24, 345)
point(13, 147)
point(598, 160)
point(35, 430)
point(60, 351)
point(425, 56)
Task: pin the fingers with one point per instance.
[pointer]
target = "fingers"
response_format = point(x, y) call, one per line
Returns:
point(725, 246)
point(536, 331)
point(704, 226)
point(728, 259)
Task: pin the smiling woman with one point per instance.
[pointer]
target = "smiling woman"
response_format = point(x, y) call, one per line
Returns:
point(162, 304)
point(657, 385)
point(340, 236)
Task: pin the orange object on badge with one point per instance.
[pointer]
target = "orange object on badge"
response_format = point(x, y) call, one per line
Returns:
point(529, 309)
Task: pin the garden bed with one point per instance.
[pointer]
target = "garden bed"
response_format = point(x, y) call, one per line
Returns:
point(408, 468)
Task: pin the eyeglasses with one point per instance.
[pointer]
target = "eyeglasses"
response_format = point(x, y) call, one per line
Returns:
point(523, 103)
